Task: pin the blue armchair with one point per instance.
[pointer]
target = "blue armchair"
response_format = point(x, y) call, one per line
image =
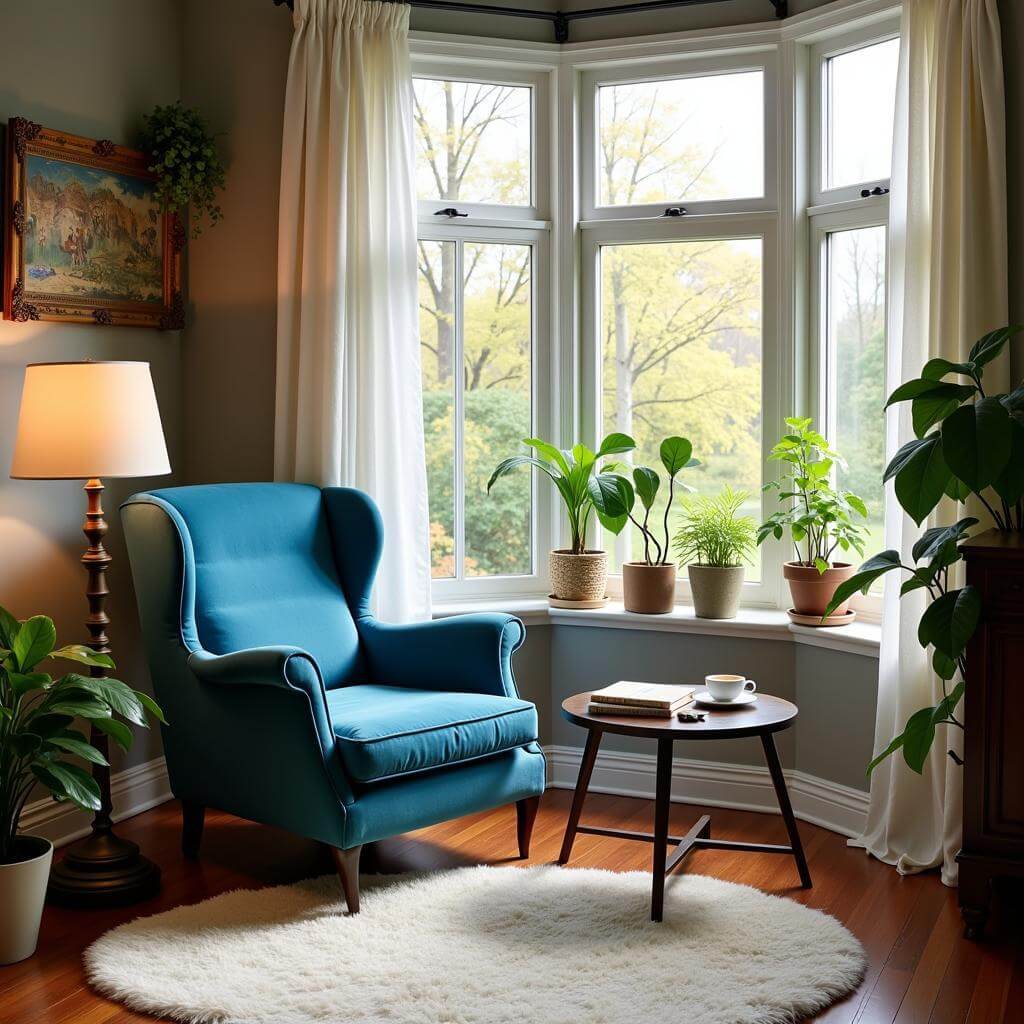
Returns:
point(289, 703)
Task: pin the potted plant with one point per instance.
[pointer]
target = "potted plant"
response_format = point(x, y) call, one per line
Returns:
point(968, 443)
point(713, 540)
point(820, 519)
point(185, 161)
point(36, 742)
point(649, 586)
point(579, 576)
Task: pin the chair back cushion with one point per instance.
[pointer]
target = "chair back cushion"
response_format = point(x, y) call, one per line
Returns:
point(265, 574)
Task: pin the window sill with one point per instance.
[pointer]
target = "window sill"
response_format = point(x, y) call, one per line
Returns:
point(752, 623)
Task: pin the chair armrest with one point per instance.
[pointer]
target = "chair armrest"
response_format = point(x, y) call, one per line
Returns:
point(463, 653)
point(290, 669)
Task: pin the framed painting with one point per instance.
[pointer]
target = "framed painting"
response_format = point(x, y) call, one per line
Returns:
point(86, 240)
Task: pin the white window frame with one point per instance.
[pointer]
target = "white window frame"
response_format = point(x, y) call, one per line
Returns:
point(751, 217)
point(515, 225)
point(661, 69)
point(832, 210)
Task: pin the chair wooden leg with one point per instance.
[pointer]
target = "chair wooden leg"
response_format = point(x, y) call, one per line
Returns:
point(347, 864)
point(192, 818)
point(526, 815)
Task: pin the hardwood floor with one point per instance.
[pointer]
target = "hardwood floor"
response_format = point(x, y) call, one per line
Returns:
point(921, 969)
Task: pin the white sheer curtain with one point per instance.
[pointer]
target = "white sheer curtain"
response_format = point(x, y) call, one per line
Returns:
point(948, 268)
point(349, 402)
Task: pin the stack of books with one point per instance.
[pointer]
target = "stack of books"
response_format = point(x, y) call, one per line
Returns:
point(653, 700)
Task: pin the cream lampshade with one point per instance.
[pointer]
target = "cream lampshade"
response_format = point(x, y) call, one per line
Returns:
point(84, 420)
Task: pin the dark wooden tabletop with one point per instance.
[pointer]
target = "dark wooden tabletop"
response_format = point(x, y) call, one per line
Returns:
point(766, 714)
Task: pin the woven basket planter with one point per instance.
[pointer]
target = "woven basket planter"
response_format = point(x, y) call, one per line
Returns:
point(578, 577)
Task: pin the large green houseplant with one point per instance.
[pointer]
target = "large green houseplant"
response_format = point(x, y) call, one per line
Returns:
point(647, 586)
point(39, 746)
point(578, 575)
point(819, 516)
point(968, 443)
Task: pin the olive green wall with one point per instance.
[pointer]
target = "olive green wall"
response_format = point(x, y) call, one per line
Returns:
point(91, 69)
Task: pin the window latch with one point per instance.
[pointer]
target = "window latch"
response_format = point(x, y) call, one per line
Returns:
point(675, 211)
point(449, 212)
point(867, 193)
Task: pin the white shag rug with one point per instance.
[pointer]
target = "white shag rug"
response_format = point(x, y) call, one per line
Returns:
point(542, 945)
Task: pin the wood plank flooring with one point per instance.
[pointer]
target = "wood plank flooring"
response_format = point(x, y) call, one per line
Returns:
point(921, 969)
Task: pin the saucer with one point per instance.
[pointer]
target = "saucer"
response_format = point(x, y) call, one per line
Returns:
point(705, 698)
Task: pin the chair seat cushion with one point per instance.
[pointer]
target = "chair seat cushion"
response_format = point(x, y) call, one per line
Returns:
point(386, 731)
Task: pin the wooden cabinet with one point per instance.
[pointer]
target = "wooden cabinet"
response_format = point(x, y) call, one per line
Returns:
point(993, 839)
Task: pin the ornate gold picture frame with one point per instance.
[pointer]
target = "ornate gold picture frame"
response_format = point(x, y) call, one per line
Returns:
point(86, 239)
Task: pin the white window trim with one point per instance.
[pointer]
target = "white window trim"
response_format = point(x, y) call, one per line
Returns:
point(692, 66)
point(840, 209)
point(559, 75)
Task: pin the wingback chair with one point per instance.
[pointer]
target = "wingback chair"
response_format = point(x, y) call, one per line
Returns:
point(289, 704)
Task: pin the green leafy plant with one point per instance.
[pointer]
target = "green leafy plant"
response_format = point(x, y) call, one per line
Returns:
point(36, 714)
point(712, 532)
point(184, 157)
point(968, 443)
point(818, 515)
point(615, 497)
point(571, 470)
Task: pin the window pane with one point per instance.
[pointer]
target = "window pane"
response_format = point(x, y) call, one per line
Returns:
point(437, 338)
point(496, 370)
point(686, 139)
point(472, 141)
point(681, 330)
point(856, 358)
point(861, 88)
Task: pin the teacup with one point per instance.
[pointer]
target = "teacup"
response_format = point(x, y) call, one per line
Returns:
point(726, 687)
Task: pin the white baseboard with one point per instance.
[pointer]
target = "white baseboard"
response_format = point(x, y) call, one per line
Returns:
point(740, 786)
point(716, 784)
point(133, 791)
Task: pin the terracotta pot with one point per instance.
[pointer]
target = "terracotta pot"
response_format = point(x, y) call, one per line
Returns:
point(812, 591)
point(716, 590)
point(578, 577)
point(22, 892)
point(649, 589)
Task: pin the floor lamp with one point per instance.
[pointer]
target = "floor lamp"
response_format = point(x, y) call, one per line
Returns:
point(84, 421)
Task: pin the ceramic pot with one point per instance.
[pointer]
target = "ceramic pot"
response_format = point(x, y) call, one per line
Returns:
point(578, 577)
point(812, 591)
point(22, 892)
point(648, 589)
point(716, 590)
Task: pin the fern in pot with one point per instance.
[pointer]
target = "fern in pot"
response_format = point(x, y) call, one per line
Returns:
point(40, 748)
point(579, 575)
point(713, 540)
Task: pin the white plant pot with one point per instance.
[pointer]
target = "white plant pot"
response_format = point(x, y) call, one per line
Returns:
point(22, 893)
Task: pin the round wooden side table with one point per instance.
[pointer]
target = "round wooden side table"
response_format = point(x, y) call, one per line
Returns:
point(763, 718)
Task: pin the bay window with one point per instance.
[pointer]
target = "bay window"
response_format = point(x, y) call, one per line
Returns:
point(661, 237)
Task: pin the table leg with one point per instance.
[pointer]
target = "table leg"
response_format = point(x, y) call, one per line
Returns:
point(582, 782)
point(662, 799)
point(779, 781)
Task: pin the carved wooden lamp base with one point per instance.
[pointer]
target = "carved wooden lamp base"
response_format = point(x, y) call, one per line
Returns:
point(102, 869)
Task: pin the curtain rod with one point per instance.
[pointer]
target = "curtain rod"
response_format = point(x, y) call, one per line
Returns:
point(560, 20)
